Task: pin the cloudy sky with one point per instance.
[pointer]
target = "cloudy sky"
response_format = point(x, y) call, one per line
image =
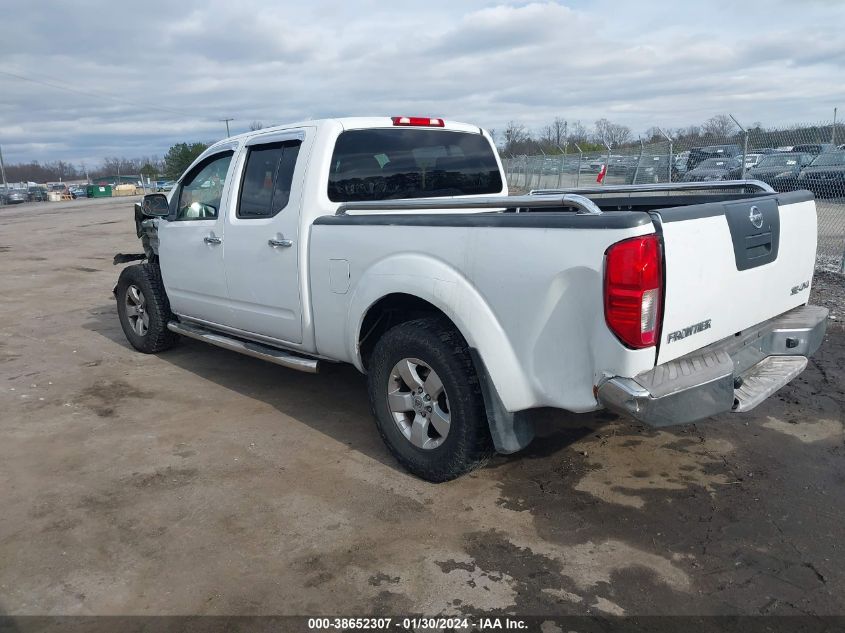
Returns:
point(82, 80)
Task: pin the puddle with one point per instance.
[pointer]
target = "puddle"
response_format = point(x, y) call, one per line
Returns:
point(807, 432)
point(623, 465)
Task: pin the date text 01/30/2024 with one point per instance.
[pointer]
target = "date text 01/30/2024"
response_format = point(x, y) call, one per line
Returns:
point(387, 624)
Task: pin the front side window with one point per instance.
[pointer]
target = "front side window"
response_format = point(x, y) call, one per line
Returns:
point(202, 189)
point(385, 164)
point(267, 179)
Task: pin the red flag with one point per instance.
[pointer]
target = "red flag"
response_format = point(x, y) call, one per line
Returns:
point(602, 172)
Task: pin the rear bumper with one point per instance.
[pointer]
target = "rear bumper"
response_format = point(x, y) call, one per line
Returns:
point(735, 374)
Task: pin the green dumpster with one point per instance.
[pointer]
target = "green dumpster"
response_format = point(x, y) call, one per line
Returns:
point(99, 191)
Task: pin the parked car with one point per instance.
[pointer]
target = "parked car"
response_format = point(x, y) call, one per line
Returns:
point(16, 195)
point(716, 169)
point(784, 148)
point(814, 148)
point(780, 170)
point(699, 154)
point(165, 185)
point(825, 176)
point(463, 337)
point(78, 192)
point(37, 194)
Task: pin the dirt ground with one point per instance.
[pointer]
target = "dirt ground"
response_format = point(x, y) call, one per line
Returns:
point(203, 482)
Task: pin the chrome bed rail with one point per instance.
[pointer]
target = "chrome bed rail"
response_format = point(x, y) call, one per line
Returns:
point(541, 199)
point(666, 186)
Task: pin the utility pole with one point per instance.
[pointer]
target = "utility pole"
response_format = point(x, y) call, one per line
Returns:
point(671, 143)
point(2, 168)
point(833, 129)
point(744, 144)
point(226, 121)
point(580, 160)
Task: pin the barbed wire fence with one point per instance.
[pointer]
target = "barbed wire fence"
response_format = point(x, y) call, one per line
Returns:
point(787, 158)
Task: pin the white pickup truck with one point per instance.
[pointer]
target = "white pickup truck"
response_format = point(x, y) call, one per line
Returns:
point(392, 244)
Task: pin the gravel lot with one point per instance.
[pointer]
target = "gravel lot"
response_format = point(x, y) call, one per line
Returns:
point(203, 482)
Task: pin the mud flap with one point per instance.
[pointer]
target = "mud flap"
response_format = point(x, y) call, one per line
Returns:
point(511, 431)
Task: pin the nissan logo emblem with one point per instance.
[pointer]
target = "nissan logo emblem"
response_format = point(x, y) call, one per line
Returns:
point(755, 217)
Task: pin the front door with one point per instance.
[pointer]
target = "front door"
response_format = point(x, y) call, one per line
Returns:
point(262, 240)
point(191, 242)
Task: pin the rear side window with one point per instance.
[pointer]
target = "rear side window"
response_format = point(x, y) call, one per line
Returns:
point(267, 179)
point(387, 164)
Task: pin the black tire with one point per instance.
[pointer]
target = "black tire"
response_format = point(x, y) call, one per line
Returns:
point(146, 278)
point(441, 347)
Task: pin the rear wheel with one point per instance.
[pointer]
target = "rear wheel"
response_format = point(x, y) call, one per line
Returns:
point(144, 310)
point(427, 402)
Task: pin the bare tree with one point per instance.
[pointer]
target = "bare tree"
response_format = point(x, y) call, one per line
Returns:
point(256, 125)
point(720, 125)
point(554, 134)
point(577, 133)
point(515, 133)
point(614, 134)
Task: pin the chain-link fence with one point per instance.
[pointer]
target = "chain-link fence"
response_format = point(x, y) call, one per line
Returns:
point(798, 157)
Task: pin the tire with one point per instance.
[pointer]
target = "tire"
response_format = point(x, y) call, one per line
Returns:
point(429, 348)
point(140, 286)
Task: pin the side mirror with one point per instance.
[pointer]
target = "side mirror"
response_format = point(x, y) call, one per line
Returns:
point(154, 205)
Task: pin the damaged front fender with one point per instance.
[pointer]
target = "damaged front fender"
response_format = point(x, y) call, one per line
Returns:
point(146, 228)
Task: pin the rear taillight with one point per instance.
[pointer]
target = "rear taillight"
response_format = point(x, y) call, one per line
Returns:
point(633, 289)
point(422, 121)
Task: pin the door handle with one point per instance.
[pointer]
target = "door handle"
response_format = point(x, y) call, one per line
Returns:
point(211, 239)
point(279, 242)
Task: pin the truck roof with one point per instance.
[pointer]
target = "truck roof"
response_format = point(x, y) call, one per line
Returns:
point(350, 123)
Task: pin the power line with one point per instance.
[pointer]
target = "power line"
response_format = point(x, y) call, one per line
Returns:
point(94, 94)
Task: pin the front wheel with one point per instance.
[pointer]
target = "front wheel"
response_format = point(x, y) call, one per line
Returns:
point(143, 309)
point(427, 401)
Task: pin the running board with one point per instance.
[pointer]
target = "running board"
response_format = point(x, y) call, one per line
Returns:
point(256, 350)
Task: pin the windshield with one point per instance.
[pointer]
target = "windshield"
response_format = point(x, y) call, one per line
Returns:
point(832, 158)
point(780, 160)
point(384, 164)
point(717, 163)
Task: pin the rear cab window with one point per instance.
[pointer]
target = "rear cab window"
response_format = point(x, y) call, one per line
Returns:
point(392, 163)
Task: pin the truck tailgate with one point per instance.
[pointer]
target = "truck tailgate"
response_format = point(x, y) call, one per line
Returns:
point(731, 265)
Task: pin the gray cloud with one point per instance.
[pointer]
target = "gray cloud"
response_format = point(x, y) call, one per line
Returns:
point(148, 77)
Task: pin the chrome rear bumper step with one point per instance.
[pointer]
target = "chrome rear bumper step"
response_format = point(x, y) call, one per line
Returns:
point(249, 348)
point(735, 374)
point(766, 377)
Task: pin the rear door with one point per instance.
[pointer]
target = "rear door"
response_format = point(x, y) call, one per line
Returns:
point(263, 240)
point(732, 265)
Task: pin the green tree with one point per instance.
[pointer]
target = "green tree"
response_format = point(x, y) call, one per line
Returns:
point(149, 171)
point(181, 155)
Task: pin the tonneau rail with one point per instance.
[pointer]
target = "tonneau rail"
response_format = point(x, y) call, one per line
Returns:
point(665, 186)
point(553, 199)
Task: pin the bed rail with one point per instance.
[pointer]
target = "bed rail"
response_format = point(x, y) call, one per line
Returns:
point(582, 204)
point(665, 186)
